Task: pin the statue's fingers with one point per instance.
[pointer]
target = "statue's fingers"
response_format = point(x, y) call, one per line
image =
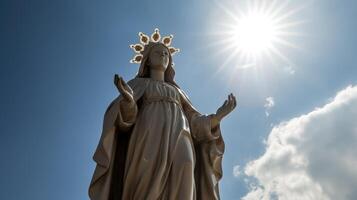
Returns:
point(116, 79)
point(126, 92)
point(234, 101)
point(224, 103)
point(127, 87)
point(121, 87)
point(233, 105)
point(129, 90)
point(123, 82)
point(230, 100)
point(119, 83)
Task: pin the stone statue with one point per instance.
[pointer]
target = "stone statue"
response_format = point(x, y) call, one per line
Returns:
point(155, 144)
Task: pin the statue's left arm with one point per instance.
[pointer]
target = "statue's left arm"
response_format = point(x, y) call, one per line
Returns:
point(209, 146)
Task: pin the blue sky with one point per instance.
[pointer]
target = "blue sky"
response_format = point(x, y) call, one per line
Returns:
point(58, 60)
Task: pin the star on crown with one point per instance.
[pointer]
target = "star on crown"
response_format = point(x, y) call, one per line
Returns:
point(145, 40)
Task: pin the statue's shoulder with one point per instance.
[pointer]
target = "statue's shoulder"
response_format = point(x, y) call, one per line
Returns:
point(138, 85)
point(181, 92)
point(184, 96)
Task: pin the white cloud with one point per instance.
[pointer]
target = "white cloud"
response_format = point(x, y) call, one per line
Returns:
point(269, 103)
point(311, 157)
point(237, 171)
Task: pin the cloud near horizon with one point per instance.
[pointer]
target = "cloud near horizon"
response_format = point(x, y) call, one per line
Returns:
point(310, 157)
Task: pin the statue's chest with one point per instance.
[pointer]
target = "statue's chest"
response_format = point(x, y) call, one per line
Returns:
point(161, 89)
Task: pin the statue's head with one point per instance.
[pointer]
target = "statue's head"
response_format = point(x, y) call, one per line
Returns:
point(155, 54)
point(158, 57)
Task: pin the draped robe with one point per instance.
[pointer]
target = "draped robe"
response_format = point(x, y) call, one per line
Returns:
point(165, 150)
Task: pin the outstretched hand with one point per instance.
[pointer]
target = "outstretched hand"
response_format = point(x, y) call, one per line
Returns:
point(124, 89)
point(227, 107)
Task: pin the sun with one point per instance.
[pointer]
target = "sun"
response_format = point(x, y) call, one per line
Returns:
point(255, 33)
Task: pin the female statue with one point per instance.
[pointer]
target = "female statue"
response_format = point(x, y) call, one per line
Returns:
point(155, 144)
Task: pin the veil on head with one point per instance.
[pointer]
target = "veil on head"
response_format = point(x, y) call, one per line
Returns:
point(144, 69)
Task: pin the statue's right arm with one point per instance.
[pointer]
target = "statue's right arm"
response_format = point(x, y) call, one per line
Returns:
point(127, 106)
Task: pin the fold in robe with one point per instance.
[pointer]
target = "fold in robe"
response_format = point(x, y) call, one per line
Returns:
point(166, 149)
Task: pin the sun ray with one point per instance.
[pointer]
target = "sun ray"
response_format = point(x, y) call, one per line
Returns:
point(290, 24)
point(286, 43)
point(277, 52)
point(288, 14)
point(277, 12)
point(227, 11)
point(290, 33)
point(272, 6)
point(228, 59)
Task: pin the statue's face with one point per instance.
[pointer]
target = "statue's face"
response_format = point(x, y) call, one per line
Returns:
point(159, 57)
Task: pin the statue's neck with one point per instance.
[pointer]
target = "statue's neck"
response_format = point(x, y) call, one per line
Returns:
point(158, 75)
